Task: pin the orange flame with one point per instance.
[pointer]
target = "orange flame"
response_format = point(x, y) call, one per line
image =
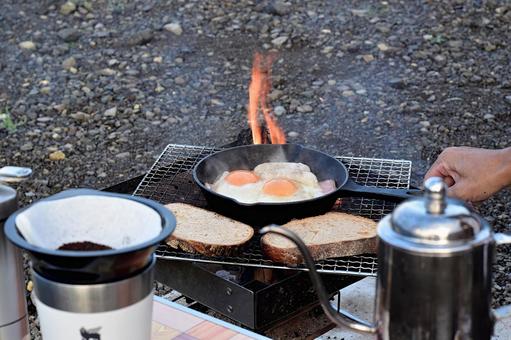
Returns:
point(258, 90)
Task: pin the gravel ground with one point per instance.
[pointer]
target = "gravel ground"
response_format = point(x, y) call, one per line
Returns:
point(91, 91)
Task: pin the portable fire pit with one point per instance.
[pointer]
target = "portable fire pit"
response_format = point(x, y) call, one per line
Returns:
point(249, 288)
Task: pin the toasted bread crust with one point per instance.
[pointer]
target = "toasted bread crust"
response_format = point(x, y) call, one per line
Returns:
point(337, 242)
point(191, 221)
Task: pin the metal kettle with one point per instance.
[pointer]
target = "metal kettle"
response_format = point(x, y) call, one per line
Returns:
point(13, 308)
point(434, 278)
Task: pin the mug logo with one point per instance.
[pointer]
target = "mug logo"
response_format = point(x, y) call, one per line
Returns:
point(90, 334)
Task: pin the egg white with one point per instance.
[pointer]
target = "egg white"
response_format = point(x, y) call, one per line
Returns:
point(247, 193)
point(298, 173)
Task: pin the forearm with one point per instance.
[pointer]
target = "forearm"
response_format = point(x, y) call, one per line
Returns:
point(504, 174)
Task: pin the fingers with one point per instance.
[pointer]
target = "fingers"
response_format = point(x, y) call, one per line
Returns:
point(449, 181)
point(438, 169)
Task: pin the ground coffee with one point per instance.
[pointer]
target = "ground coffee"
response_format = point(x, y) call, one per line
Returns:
point(84, 246)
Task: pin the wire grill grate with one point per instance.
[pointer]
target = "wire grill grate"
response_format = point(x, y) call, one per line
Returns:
point(170, 180)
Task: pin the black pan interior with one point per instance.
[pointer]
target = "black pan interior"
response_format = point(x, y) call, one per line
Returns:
point(249, 156)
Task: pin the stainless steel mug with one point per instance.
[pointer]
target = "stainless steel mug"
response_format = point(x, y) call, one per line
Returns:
point(434, 279)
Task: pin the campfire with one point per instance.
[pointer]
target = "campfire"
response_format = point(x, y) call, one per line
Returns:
point(258, 105)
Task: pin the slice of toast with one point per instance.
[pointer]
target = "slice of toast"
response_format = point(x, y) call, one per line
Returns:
point(205, 232)
point(333, 234)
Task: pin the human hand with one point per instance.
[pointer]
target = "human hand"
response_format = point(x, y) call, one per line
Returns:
point(473, 174)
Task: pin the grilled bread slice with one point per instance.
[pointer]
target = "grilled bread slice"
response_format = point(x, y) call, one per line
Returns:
point(333, 234)
point(205, 232)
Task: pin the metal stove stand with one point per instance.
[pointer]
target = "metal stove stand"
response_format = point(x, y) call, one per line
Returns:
point(169, 180)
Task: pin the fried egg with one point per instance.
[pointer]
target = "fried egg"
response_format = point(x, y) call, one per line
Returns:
point(287, 182)
point(270, 182)
point(242, 185)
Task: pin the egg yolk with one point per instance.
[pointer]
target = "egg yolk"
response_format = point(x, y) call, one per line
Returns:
point(241, 177)
point(279, 187)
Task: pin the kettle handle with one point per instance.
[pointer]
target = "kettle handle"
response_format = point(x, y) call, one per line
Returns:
point(342, 318)
point(502, 312)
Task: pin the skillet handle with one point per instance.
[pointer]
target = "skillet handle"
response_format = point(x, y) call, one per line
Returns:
point(394, 195)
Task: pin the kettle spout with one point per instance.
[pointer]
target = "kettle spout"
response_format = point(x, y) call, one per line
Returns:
point(342, 318)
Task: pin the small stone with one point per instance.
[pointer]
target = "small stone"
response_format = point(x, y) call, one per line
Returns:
point(278, 7)
point(107, 72)
point(27, 147)
point(112, 112)
point(159, 88)
point(57, 156)
point(217, 102)
point(397, 83)
point(368, 58)
point(383, 47)
point(69, 34)
point(359, 12)
point(348, 93)
point(180, 80)
point(80, 116)
point(414, 107)
point(158, 60)
point(275, 94)
point(425, 123)
point(455, 43)
point(123, 155)
point(27, 45)
point(304, 108)
point(113, 62)
point(382, 27)
point(30, 286)
point(45, 90)
point(68, 63)
point(327, 49)
point(489, 116)
point(331, 82)
point(441, 59)
point(67, 8)
point(174, 28)
point(507, 99)
point(279, 110)
point(278, 42)
point(293, 134)
point(44, 119)
point(73, 70)
point(489, 47)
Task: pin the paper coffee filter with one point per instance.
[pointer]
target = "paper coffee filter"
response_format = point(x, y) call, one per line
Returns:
point(109, 221)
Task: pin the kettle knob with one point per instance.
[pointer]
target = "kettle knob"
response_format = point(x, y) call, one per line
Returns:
point(436, 192)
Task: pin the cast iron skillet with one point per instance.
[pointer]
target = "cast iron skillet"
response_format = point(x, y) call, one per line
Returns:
point(322, 165)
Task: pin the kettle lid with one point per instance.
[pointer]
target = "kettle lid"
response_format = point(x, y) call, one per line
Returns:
point(436, 219)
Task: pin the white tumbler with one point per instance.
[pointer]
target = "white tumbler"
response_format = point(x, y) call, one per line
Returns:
point(110, 311)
